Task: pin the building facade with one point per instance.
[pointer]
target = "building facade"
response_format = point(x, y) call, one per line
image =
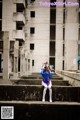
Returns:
point(38, 31)
point(12, 32)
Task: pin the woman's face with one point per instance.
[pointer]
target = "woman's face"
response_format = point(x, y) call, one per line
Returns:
point(46, 69)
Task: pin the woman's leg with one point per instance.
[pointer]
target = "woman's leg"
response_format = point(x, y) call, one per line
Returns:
point(44, 93)
point(50, 91)
point(50, 94)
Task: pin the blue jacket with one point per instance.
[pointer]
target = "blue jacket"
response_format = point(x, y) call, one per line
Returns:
point(46, 76)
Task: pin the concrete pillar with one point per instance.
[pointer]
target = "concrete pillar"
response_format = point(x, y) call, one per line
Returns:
point(71, 39)
point(21, 66)
point(59, 38)
point(24, 64)
point(6, 47)
point(22, 59)
point(30, 66)
point(16, 51)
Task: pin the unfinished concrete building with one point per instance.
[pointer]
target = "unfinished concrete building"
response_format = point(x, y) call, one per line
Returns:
point(38, 31)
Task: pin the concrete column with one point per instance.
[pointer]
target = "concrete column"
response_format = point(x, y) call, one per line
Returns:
point(6, 47)
point(71, 39)
point(22, 59)
point(59, 38)
point(30, 65)
point(21, 67)
point(16, 51)
point(24, 64)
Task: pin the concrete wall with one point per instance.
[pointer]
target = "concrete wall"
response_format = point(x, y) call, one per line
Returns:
point(72, 77)
point(34, 93)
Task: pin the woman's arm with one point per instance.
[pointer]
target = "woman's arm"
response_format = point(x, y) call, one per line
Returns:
point(51, 75)
point(42, 71)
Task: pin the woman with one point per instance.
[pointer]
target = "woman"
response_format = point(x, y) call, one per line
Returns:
point(46, 82)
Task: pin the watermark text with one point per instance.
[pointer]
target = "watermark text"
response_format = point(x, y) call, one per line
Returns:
point(47, 4)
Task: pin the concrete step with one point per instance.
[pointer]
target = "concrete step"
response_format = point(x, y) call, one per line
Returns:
point(39, 77)
point(38, 82)
point(34, 93)
point(34, 110)
point(38, 74)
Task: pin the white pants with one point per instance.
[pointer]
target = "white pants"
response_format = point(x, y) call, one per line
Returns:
point(44, 91)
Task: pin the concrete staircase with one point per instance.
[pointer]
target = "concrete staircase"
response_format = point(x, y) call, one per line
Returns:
point(36, 78)
point(25, 94)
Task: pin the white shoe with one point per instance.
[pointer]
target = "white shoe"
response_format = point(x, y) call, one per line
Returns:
point(50, 100)
point(43, 100)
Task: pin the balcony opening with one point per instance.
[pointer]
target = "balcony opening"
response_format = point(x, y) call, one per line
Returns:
point(1, 36)
point(52, 32)
point(63, 49)
point(79, 18)
point(20, 43)
point(32, 30)
point(0, 25)
point(52, 48)
point(79, 3)
point(26, 3)
point(63, 16)
point(52, 61)
point(0, 10)
point(32, 63)
point(32, 14)
point(19, 26)
point(19, 64)
point(19, 7)
point(31, 46)
point(53, 16)
point(1, 46)
point(63, 65)
point(0, 63)
point(32, 1)
point(63, 33)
